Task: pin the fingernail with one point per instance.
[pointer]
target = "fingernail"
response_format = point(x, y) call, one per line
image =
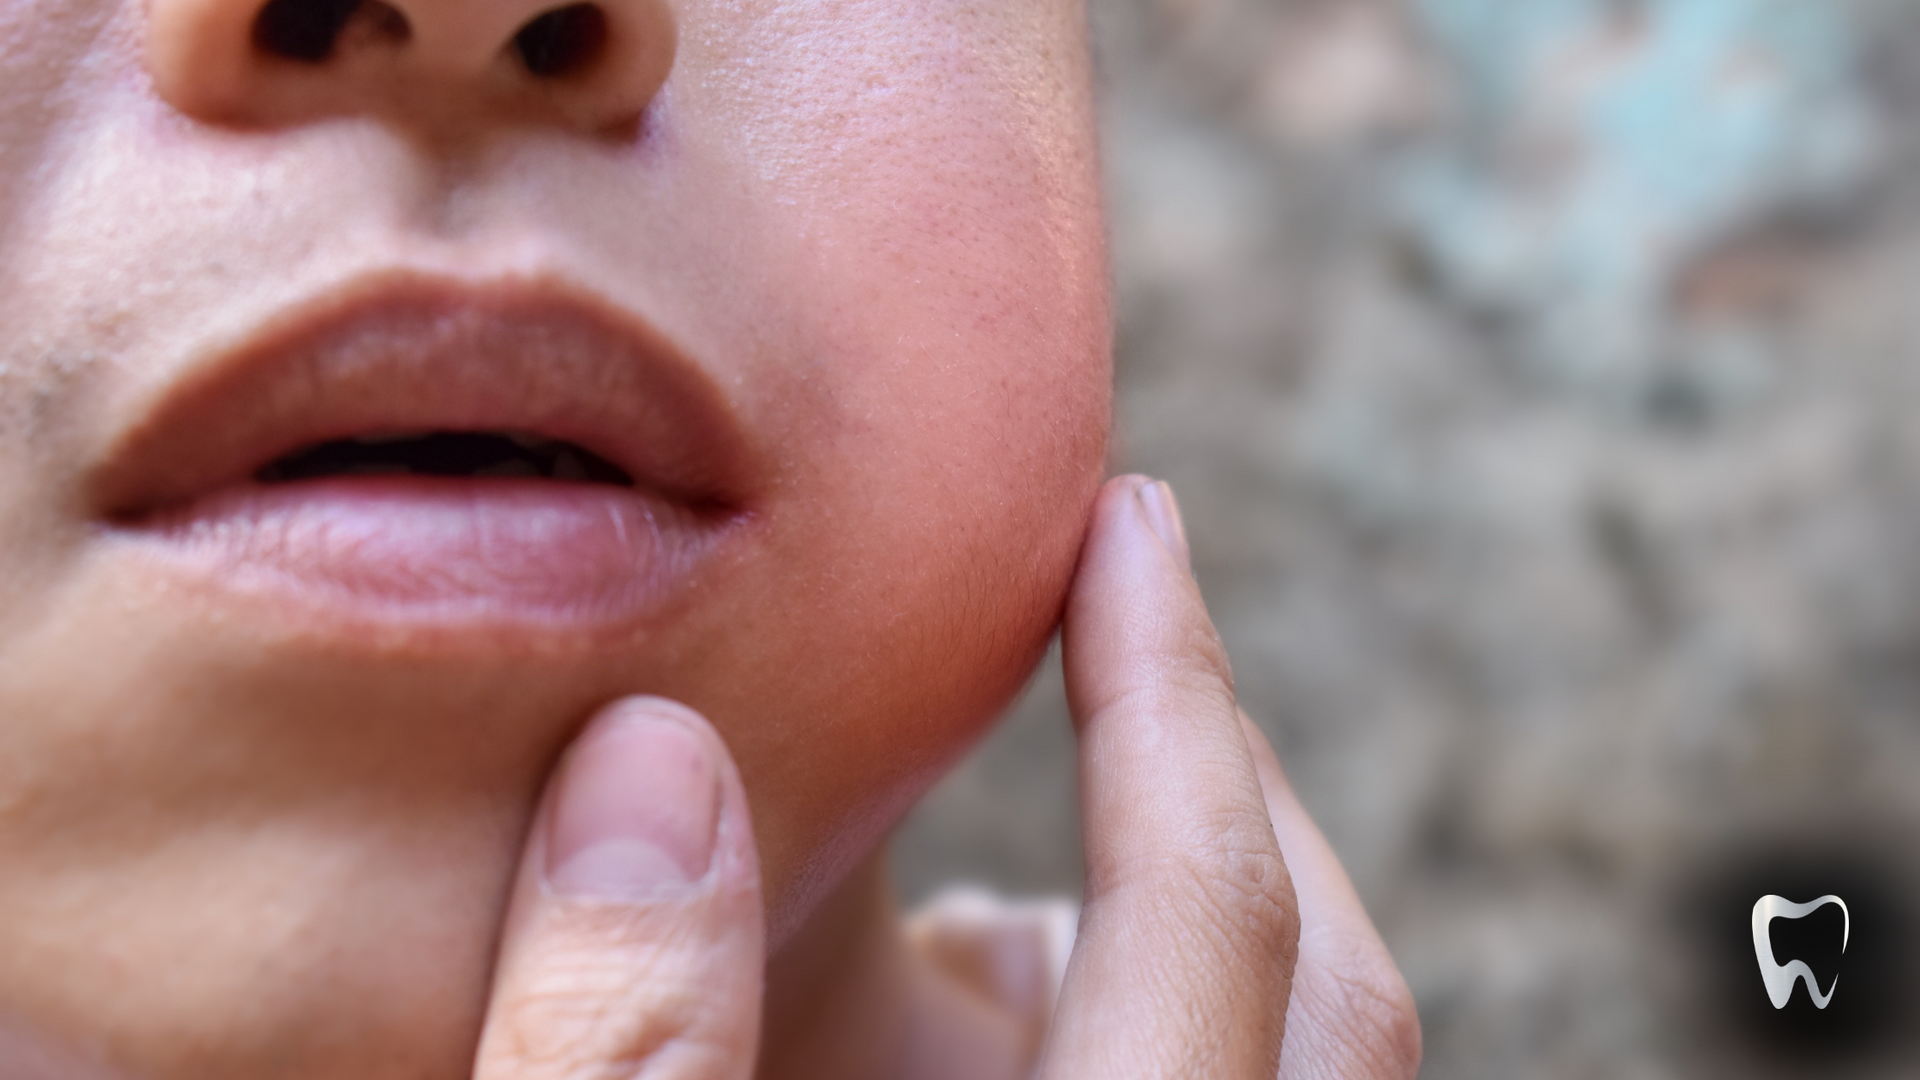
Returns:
point(1163, 513)
point(637, 810)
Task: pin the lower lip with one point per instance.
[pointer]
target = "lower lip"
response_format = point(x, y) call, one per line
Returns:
point(489, 548)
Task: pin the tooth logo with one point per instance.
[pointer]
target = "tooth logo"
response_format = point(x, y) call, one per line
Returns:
point(1780, 978)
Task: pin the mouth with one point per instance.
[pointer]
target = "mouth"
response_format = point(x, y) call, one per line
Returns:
point(469, 454)
point(426, 450)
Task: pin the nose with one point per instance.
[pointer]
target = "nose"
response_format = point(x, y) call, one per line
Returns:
point(450, 65)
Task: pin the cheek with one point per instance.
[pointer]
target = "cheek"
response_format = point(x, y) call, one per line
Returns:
point(946, 283)
point(898, 616)
point(900, 224)
point(916, 562)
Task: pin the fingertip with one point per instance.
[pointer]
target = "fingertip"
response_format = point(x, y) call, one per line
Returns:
point(641, 806)
point(1136, 612)
point(636, 807)
point(1163, 516)
point(635, 929)
point(1136, 540)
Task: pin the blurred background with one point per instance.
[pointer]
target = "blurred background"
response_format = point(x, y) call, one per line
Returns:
point(1541, 379)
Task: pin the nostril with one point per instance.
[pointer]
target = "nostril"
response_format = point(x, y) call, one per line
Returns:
point(562, 41)
point(310, 30)
point(302, 29)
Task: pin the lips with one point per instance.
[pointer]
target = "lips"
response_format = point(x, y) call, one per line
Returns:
point(419, 447)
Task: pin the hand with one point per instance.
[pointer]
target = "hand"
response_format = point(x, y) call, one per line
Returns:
point(1212, 943)
point(634, 942)
point(634, 945)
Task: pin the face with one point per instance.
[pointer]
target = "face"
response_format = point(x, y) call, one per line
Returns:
point(385, 390)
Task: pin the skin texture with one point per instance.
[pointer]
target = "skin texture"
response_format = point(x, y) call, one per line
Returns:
point(1220, 938)
point(256, 834)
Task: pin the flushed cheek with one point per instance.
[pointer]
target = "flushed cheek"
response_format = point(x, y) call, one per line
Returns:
point(876, 656)
point(939, 505)
point(941, 261)
point(908, 588)
point(937, 264)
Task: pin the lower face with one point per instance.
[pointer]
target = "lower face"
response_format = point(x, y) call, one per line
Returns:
point(268, 749)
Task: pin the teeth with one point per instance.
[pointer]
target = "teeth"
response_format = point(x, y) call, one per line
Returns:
point(528, 442)
point(567, 466)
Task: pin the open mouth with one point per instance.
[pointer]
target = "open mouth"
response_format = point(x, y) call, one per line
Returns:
point(441, 451)
point(472, 454)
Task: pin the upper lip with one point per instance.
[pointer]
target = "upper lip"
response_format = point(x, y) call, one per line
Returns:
point(415, 353)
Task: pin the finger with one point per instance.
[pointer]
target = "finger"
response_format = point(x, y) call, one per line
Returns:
point(1187, 938)
point(1351, 1014)
point(634, 942)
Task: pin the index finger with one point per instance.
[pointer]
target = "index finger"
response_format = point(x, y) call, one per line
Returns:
point(1187, 942)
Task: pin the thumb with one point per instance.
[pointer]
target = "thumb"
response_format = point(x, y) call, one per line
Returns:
point(634, 940)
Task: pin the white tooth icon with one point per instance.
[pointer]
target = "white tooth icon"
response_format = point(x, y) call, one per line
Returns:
point(1780, 978)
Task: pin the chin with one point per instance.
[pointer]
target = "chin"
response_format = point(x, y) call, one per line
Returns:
point(258, 844)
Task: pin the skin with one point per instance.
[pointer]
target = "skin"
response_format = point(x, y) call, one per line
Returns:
point(1219, 938)
point(263, 835)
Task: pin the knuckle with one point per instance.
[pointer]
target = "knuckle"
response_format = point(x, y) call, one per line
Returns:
point(1387, 1034)
point(1223, 870)
point(570, 1032)
point(1247, 892)
point(605, 1012)
point(1258, 889)
point(1366, 1006)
